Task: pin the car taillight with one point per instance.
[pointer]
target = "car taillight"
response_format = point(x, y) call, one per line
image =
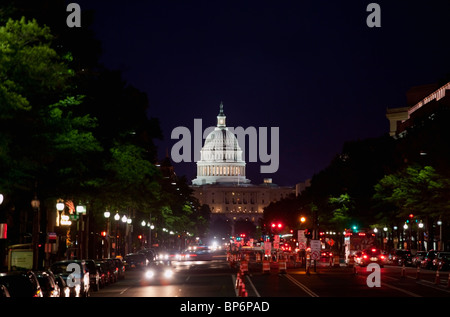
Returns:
point(382, 257)
point(364, 256)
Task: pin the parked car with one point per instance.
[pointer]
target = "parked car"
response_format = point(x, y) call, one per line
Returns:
point(21, 284)
point(441, 261)
point(120, 268)
point(418, 258)
point(427, 262)
point(113, 270)
point(75, 274)
point(4, 291)
point(48, 285)
point(64, 290)
point(103, 273)
point(400, 257)
point(94, 276)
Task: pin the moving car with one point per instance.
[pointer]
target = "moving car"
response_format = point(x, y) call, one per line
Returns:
point(372, 255)
point(197, 254)
point(134, 260)
point(418, 258)
point(427, 262)
point(400, 257)
point(158, 273)
point(441, 261)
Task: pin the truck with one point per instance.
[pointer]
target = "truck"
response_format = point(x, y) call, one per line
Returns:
point(357, 241)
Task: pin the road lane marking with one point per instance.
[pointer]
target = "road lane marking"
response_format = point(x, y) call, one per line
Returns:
point(302, 286)
point(253, 286)
point(398, 288)
point(401, 290)
point(124, 290)
point(233, 280)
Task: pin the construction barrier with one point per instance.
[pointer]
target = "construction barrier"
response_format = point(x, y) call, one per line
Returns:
point(238, 280)
point(266, 266)
point(244, 267)
point(437, 279)
point(403, 270)
point(351, 261)
point(308, 263)
point(336, 261)
point(282, 266)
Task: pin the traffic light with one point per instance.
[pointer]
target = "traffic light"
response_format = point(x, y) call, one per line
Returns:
point(277, 225)
point(103, 234)
point(308, 233)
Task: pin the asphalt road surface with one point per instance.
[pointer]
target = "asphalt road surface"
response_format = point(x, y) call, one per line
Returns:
point(218, 279)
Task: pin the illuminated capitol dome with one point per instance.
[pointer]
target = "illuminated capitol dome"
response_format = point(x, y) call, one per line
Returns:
point(221, 157)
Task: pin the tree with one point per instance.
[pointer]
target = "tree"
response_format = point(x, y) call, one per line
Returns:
point(39, 129)
point(343, 205)
point(415, 189)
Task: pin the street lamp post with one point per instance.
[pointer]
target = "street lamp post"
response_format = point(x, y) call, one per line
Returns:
point(35, 204)
point(440, 244)
point(107, 214)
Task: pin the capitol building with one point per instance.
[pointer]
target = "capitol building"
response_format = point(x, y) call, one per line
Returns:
point(221, 182)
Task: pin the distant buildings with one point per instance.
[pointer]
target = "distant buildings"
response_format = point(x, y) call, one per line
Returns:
point(221, 182)
point(423, 102)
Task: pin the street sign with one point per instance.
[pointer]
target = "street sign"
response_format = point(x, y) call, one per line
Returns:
point(301, 239)
point(331, 242)
point(74, 217)
point(315, 249)
point(267, 247)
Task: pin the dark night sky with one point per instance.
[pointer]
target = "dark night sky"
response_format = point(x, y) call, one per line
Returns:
point(312, 68)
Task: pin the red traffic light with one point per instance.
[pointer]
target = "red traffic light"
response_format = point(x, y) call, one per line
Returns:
point(103, 233)
point(278, 225)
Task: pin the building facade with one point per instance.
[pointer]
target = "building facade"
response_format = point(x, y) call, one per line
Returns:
point(423, 102)
point(221, 181)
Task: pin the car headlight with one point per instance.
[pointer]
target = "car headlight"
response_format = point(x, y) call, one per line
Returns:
point(149, 274)
point(168, 273)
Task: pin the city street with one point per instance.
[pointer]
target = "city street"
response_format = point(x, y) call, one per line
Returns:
point(216, 279)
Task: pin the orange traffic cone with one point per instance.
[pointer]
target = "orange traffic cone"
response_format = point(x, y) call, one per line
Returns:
point(437, 279)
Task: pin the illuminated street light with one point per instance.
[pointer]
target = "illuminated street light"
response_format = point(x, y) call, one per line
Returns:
point(60, 205)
